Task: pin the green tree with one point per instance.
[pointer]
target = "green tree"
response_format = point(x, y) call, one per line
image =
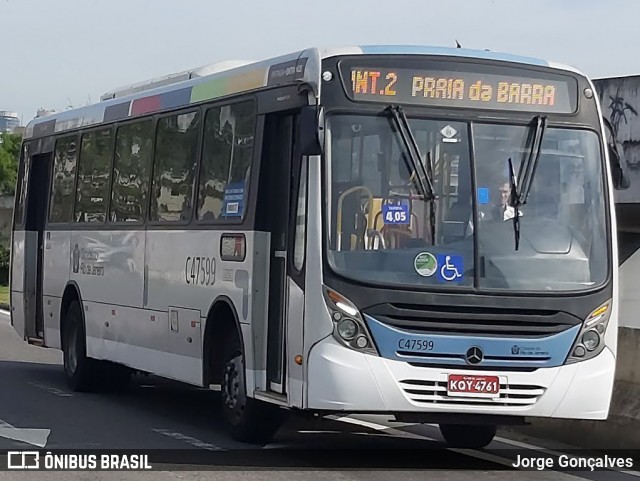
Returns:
point(9, 157)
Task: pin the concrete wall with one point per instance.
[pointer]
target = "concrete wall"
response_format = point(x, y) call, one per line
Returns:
point(620, 99)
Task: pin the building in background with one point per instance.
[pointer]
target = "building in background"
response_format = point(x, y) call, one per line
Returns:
point(9, 121)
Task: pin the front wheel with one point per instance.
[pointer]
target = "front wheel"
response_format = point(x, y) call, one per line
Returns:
point(470, 437)
point(80, 371)
point(246, 419)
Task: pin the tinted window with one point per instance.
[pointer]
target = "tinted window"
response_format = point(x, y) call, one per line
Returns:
point(64, 172)
point(174, 167)
point(94, 173)
point(301, 221)
point(23, 180)
point(226, 161)
point(134, 150)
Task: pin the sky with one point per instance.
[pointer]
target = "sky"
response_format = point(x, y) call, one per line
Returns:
point(60, 53)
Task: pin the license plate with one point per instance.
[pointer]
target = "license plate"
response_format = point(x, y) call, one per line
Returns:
point(473, 386)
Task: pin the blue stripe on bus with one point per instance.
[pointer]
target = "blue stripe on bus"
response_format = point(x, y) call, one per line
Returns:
point(456, 52)
point(399, 345)
point(175, 98)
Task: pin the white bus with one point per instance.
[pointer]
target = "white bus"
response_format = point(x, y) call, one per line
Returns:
point(425, 233)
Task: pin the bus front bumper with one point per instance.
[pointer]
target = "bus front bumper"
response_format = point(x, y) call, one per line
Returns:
point(340, 379)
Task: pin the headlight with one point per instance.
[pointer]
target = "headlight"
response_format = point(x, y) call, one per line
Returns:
point(349, 327)
point(589, 342)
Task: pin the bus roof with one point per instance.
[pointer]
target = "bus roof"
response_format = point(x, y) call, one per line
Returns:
point(208, 83)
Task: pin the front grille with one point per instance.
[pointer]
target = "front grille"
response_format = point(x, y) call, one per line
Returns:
point(435, 392)
point(487, 357)
point(473, 321)
point(477, 367)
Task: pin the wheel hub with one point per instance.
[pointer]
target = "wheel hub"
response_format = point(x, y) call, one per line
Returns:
point(72, 355)
point(233, 385)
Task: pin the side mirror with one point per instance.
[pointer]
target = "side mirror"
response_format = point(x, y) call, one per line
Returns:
point(617, 162)
point(311, 130)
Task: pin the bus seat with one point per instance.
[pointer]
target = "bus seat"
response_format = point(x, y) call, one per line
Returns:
point(456, 221)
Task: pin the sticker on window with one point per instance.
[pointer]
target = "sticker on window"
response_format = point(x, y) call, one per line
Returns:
point(233, 200)
point(483, 195)
point(396, 213)
point(232, 208)
point(451, 268)
point(425, 264)
point(449, 134)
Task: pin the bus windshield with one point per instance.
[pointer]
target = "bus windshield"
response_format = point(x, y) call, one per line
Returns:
point(383, 230)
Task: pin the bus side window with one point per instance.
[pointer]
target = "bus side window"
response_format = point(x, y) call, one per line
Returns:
point(64, 173)
point(134, 149)
point(21, 185)
point(94, 170)
point(174, 167)
point(226, 161)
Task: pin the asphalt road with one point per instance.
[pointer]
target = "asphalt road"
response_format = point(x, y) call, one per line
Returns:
point(159, 414)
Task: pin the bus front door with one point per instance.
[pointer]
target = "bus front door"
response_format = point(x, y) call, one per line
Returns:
point(36, 210)
point(276, 190)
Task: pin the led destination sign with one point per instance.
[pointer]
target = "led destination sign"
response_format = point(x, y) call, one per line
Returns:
point(462, 89)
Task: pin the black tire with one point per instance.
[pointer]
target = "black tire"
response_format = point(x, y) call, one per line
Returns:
point(469, 437)
point(116, 377)
point(81, 372)
point(247, 420)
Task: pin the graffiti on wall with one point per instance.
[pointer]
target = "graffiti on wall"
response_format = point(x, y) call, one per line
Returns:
point(620, 100)
point(618, 108)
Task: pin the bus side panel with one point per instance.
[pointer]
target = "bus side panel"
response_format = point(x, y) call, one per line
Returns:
point(109, 266)
point(295, 336)
point(185, 270)
point(17, 313)
point(109, 269)
point(56, 261)
point(255, 335)
point(17, 282)
point(30, 259)
point(17, 262)
point(114, 334)
point(51, 307)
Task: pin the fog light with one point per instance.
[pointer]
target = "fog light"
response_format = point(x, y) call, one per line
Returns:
point(579, 351)
point(362, 342)
point(591, 340)
point(347, 329)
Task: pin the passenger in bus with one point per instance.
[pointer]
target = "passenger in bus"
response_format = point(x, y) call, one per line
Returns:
point(503, 210)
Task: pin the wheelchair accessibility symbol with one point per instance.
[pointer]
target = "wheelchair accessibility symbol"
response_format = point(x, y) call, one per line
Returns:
point(451, 268)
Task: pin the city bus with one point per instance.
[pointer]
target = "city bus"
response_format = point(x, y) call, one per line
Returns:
point(418, 232)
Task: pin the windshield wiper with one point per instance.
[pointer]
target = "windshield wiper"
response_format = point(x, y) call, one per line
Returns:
point(423, 178)
point(521, 185)
point(424, 184)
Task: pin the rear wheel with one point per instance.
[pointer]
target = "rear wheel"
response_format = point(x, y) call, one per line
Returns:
point(463, 436)
point(246, 419)
point(81, 372)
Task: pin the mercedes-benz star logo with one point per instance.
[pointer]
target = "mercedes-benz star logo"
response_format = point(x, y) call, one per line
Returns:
point(474, 355)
